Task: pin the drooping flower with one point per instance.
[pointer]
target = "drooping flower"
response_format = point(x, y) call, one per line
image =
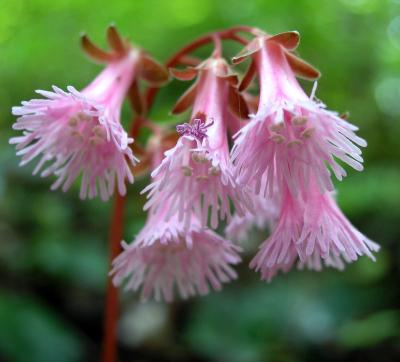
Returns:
point(77, 133)
point(311, 231)
point(264, 215)
point(291, 136)
point(196, 175)
point(166, 258)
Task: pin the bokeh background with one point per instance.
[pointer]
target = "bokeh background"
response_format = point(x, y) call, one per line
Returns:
point(53, 247)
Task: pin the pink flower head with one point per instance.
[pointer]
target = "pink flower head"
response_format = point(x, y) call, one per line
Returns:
point(292, 136)
point(166, 256)
point(265, 213)
point(196, 175)
point(313, 231)
point(80, 132)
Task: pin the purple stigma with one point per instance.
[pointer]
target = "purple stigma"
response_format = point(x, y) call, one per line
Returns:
point(198, 130)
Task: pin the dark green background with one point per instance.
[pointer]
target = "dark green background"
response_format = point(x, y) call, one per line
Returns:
point(53, 254)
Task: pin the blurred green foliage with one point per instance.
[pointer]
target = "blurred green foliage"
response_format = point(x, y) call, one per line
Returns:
point(53, 253)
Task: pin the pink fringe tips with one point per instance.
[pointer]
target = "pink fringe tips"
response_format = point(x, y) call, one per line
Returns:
point(166, 258)
point(77, 133)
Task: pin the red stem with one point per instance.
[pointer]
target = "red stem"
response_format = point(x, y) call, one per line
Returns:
point(109, 353)
point(111, 310)
point(218, 46)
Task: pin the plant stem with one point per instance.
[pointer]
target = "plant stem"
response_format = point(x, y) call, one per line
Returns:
point(109, 353)
point(111, 310)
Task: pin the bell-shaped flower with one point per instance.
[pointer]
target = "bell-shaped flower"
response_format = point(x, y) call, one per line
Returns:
point(291, 136)
point(196, 176)
point(264, 215)
point(166, 259)
point(79, 132)
point(312, 231)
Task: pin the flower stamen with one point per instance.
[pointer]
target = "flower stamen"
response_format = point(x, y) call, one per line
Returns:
point(198, 130)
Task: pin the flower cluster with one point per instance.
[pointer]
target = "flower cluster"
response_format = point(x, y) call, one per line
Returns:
point(288, 148)
point(245, 159)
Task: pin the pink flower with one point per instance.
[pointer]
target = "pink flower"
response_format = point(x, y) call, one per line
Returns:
point(196, 175)
point(264, 215)
point(292, 136)
point(312, 231)
point(80, 132)
point(166, 255)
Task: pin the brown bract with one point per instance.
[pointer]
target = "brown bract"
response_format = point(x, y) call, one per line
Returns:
point(289, 41)
point(148, 69)
point(221, 69)
point(119, 47)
